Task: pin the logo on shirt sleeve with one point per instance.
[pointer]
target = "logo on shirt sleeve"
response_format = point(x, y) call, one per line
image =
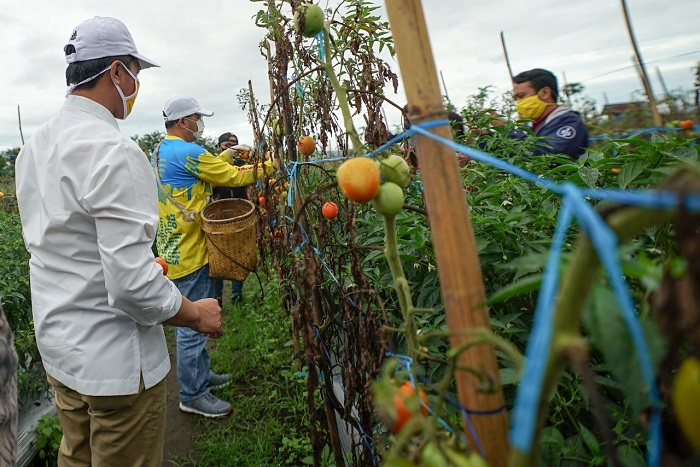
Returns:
point(566, 132)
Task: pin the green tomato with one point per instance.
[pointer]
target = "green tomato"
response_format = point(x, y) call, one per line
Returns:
point(686, 404)
point(389, 199)
point(433, 456)
point(396, 170)
point(311, 16)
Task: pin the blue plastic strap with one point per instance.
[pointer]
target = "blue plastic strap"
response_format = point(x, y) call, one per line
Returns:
point(524, 415)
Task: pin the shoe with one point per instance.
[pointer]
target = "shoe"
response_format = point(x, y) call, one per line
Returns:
point(208, 406)
point(236, 299)
point(218, 381)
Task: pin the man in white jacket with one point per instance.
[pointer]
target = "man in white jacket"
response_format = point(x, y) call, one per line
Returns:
point(89, 208)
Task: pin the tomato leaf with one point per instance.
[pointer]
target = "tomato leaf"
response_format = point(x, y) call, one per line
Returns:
point(607, 331)
point(526, 284)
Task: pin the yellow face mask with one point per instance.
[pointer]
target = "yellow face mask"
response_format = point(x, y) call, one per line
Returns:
point(128, 101)
point(531, 107)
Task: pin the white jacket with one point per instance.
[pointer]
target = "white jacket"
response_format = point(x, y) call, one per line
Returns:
point(88, 202)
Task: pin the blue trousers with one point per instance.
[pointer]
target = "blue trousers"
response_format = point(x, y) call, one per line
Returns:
point(193, 360)
point(218, 287)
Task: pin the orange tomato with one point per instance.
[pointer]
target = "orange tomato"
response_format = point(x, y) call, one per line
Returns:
point(403, 413)
point(359, 179)
point(687, 124)
point(306, 145)
point(163, 264)
point(615, 170)
point(329, 210)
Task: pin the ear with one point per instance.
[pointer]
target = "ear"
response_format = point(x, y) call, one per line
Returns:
point(546, 94)
point(117, 71)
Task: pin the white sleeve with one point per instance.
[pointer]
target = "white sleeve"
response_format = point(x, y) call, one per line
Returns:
point(121, 195)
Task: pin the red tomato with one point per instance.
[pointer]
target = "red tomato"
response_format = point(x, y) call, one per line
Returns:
point(329, 210)
point(163, 264)
point(403, 414)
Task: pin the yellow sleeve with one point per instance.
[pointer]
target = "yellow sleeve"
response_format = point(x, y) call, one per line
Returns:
point(217, 171)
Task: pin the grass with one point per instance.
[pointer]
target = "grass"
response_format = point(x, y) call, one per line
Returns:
point(269, 423)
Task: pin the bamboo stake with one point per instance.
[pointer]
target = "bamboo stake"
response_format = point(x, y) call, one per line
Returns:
point(19, 121)
point(568, 97)
point(658, 121)
point(461, 282)
point(505, 54)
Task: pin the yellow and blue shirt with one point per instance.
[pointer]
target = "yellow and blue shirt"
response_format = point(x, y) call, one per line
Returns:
point(187, 171)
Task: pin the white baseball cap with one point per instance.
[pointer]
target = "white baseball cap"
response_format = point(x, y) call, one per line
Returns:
point(182, 105)
point(101, 37)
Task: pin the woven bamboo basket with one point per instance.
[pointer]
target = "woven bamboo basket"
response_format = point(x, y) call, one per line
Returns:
point(230, 227)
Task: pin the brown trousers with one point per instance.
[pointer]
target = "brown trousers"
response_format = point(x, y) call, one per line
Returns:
point(104, 431)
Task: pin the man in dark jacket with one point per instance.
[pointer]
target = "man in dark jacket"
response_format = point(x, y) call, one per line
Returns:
point(536, 93)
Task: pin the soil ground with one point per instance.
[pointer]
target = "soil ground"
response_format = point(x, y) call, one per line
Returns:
point(181, 429)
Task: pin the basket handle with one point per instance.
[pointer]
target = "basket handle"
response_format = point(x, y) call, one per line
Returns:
point(187, 215)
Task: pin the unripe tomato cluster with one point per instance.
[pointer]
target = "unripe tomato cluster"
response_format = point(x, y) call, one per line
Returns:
point(362, 180)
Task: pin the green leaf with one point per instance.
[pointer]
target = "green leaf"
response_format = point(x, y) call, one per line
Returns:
point(552, 443)
point(607, 331)
point(589, 439)
point(630, 457)
point(684, 153)
point(589, 175)
point(509, 376)
point(525, 285)
point(630, 171)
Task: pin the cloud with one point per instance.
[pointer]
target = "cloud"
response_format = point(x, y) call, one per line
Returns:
point(210, 50)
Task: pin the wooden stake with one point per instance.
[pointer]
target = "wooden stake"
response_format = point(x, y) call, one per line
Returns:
point(461, 282)
point(568, 97)
point(505, 54)
point(658, 121)
point(19, 121)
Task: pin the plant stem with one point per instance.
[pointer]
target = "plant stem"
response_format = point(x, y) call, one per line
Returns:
point(576, 283)
point(342, 97)
point(391, 251)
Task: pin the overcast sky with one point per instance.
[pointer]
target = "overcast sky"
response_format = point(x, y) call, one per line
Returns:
point(209, 49)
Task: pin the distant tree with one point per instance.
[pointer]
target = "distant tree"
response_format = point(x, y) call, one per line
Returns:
point(150, 141)
point(571, 89)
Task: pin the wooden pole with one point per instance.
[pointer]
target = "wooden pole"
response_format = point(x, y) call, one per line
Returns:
point(19, 121)
point(658, 121)
point(661, 80)
point(459, 270)
point(444, 87)
point(568, 97)
point(505, 54)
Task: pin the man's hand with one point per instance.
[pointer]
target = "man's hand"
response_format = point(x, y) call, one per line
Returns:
point(243, 151)
point(209, 322)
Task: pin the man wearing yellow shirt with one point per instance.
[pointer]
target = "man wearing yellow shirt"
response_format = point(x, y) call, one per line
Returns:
point(187, 172)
